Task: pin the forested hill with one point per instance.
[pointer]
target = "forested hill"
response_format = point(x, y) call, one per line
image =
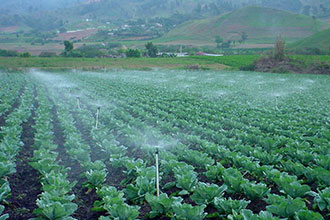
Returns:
point(129, 8)
point(38, 13)
point(32, 6)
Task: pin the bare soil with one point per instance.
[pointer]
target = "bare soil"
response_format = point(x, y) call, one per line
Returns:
point(290, 66)
point(76, 35)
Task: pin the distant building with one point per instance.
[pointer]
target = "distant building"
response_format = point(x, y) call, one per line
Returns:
point(173, 54)
point(208, 54)
point(159, 25)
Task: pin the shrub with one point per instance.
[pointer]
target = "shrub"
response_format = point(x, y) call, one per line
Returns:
point(249, 67)
point(8, 53)
point(25, 54)
point(47, 54)
point(193, 67)
point(133, 53)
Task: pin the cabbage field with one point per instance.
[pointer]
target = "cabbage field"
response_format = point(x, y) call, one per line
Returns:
point(232, 145)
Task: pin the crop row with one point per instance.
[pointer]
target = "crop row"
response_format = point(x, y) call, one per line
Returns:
point(55, 202)
point(9, 91)
point(11, 143)
point(215, 161)
point(318, 174)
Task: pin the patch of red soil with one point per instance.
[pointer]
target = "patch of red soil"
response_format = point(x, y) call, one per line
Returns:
point(76, 35)
point(137, 38)
point(9, 29)
point(252, 46)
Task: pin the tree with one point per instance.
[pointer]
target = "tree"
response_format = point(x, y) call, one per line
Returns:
point(244, 36)
point(306, 10)
point(218, 40)
point(198, 8)
point(279, 50)
point(68, 46)
point(62, 30)
point(151, 49)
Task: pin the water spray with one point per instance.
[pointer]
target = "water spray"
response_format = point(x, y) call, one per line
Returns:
point(157, 172)
point(78, 102)
point(97, 116)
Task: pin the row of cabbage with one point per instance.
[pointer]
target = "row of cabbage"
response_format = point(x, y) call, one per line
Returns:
point(230, 173)
point(94, 172)
point(141, 187)
point(319, 173)
point(126, 119)
point(56, 199)
point(10, 87)
point(210, 130)
point(143, 183)
point(10, 135)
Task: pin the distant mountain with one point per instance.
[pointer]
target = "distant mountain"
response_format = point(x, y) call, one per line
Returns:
point(262, 25)
point(61, 12)
point(127, 9)
point(31, 6)
point(146, 8)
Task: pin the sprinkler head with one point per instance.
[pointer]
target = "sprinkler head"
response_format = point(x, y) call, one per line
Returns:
point(157, 150)
point(98, 108)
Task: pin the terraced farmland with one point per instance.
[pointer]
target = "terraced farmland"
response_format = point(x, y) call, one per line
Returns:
point(232, 145)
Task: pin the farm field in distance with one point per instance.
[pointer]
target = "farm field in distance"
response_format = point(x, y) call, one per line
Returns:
point(232, 145)
point(103, 63)
point(204, 62)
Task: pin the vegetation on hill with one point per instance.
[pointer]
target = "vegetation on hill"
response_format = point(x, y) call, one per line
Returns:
point(65, 13)
point(319, 42)
point(260, 24)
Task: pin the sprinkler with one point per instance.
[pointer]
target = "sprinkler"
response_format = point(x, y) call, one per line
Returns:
point(276, 102)
point(97, 116)
point(78, 102)
point(157, 172)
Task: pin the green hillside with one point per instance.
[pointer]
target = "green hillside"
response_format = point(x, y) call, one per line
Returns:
point(319, 40)
point(262, 25)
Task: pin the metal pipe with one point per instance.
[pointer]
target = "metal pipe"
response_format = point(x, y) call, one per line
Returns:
point(97, 116)
point(157, 172)
point(78, 102)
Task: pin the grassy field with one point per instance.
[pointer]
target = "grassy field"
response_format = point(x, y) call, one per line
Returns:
point(235, 61)
point(216, 63)
point(312, 59)
point(98, 63)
